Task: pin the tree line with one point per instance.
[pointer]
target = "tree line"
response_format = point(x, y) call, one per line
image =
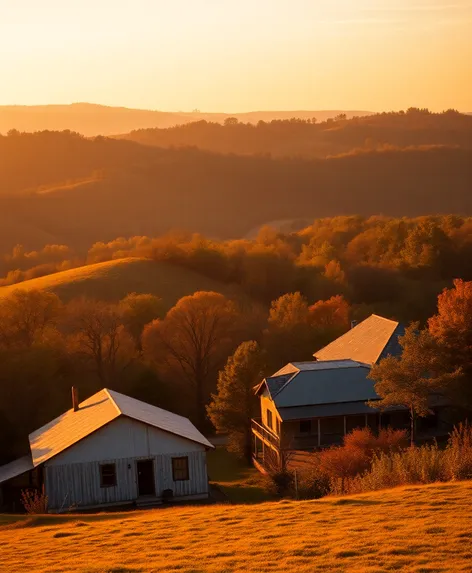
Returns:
point(310, 138)
point(170, 359)
point(394, 266)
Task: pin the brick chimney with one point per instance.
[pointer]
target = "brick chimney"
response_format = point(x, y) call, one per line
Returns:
point(75, 399)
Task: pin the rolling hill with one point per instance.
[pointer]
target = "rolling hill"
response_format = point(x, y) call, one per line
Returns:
point(113, 280)
point(321, 139)
point(420, 529)
point(92, 119)
point(70, 190)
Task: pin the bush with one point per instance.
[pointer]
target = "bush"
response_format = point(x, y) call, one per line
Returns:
point(422, 465)
point(34, 501)
point(459, 453)
point(409, 466)
point(368, 463)
point(312, 483)
point(339, 465)
point(281, 483)
point(365, 441)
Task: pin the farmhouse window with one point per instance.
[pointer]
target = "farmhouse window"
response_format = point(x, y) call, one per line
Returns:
point(180, 469)
point(107, 475)
point(269, 420)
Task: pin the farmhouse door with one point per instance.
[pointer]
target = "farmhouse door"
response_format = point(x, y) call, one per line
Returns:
point(145, 469)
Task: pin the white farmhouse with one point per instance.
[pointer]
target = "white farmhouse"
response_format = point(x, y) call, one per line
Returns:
point(111, 450)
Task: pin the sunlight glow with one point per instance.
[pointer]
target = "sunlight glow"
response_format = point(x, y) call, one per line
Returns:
point(223, 55)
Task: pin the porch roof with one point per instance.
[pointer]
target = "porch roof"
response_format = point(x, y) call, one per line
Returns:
point(16, 468)
point(330, 411)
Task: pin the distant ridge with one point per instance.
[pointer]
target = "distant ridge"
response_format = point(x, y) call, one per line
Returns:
point(94, 119)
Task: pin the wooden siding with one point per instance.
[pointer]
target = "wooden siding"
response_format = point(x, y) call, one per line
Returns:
point(268, 404)
point(124, 438)
point(78, 484)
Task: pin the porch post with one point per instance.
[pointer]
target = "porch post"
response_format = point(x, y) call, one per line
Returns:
point(319, 432)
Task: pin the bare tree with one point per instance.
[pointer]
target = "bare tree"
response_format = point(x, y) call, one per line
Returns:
point(98, 335)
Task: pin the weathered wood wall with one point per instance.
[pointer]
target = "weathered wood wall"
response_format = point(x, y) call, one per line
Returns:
point(78, 484)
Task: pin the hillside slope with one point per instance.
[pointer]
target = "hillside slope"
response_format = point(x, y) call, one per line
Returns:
point(320, 139)
point(421, 529)
point(113, 280)
point(130, 189)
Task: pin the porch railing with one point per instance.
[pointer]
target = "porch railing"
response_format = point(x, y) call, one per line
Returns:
point(264, 433)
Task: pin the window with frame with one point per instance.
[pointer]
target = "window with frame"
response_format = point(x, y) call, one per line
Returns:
point(107, 475)
point(180, 469)
point(277, 426)
point(269, 420)
point(305, 426)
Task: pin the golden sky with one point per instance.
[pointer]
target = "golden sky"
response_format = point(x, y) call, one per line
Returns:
point(238, 55)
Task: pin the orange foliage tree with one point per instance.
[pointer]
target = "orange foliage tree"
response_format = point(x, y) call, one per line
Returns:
point(452, 329)
point(194, 340)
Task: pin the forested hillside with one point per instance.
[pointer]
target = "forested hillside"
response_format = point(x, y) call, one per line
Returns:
point(63, 188)
point(313, 138)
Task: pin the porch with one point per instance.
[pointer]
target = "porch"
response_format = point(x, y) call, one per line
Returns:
point(312, 434)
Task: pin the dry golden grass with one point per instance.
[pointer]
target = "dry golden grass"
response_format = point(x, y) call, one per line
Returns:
point(413, 529)
point(113, 280)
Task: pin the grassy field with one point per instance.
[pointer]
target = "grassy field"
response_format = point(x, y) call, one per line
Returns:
point(413, 529)
point(240, 483)
point(113, 280)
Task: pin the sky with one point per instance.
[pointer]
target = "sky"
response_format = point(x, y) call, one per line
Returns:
point(238, 55)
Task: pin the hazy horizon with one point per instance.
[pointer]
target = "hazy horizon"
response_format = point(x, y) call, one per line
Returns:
point(226, 57)
point(212, 112)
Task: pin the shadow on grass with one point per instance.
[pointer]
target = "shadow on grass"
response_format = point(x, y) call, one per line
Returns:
point(239, 482)
point(356, 502)
point(20, 521)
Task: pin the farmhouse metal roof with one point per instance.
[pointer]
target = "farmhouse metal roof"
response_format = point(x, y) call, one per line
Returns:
point(371, 340)
point(316, 383)
point(99, 410)
point(330, 384)
point(16, 468)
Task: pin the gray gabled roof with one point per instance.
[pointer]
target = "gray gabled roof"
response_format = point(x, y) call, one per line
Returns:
point(371, 340)
point(16, 468)
point(99, 410)
point(321, 382)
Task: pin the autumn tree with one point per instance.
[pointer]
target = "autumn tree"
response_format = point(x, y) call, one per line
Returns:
point(193, 340)
point(412, 378)
point(288, 335)
point(96, 333)
point(451, 327)
point(234, 403)
point(137, 310)
point(26, 316)
point(331, 314)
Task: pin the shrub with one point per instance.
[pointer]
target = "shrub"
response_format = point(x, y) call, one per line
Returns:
point(459, 453)
point(34, 501)
point(368, 443)
point(312, 482)
point(340, 465)
point(281, 483)
point(343, 462)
